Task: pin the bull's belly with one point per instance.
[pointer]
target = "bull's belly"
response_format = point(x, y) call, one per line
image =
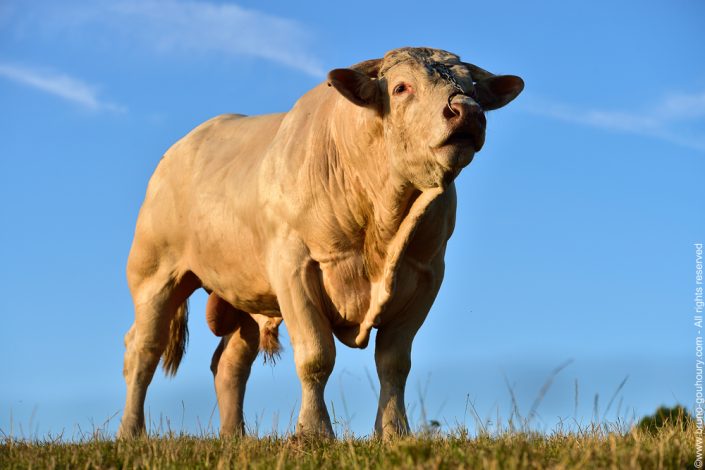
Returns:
point(246, 293)
point(232, 268)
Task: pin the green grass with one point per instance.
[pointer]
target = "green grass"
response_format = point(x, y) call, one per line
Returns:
point(670, 446)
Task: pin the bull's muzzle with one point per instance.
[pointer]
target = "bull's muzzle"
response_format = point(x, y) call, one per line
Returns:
point(466, 121)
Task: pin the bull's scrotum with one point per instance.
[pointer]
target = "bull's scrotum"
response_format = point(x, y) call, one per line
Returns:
point(332, 217)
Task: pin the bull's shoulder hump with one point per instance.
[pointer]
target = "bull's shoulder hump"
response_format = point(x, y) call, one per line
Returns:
point(242, 118)
point(236, 124)
point(225, 121)
point(228, 127)
point(208, 127)
point(217, 122)
point(221, 119)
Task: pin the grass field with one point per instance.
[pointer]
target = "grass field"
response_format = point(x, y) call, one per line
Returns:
point(670, 446)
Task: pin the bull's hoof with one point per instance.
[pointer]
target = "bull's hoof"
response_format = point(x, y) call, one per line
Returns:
point(236, 432)
point(396, 429)
point(392, 435)
point(303, 437)
point(321, 431)
point(129, 431)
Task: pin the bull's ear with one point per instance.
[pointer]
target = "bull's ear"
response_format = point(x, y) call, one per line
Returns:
point(498, 90)
point(355, 86)
point(369, 67)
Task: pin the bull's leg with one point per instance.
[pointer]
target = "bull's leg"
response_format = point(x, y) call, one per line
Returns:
point(393, 360)
point(393, 353)
point(231, 366)
point(312, 340)
point(314, 354)
point(156, 300)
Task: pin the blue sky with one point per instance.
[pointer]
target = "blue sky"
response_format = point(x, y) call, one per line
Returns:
point(575, 229)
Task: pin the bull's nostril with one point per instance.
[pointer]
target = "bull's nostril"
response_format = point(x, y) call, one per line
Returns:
point(449, 112)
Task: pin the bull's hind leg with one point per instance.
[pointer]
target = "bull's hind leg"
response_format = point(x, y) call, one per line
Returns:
point(160, 321)
point(232, 362)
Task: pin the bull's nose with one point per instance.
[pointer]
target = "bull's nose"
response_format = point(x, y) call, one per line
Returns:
point(466, 121)
point(462, 108)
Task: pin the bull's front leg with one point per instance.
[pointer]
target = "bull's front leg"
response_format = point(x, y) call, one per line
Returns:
point(393, 348)
point(311, 338)
point(314, 354)
point(393, 360)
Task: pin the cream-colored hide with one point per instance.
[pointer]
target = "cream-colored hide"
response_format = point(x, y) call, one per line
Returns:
point(333, 216)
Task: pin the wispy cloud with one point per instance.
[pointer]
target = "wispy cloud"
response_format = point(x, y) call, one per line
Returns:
point(63, 86)
point(670, 119)
point(186, 28)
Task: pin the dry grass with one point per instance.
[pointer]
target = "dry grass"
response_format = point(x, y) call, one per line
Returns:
point(664, 440)
point(595, 447)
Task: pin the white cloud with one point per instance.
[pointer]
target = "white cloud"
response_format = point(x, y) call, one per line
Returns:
point(683, 106)
point(187, 28)
point(667, 120)
point(60, 85)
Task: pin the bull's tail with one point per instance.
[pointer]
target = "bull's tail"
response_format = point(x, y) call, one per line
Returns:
point(178, 337)
point(269, 340)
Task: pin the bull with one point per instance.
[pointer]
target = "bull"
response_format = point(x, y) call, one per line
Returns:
point(332, 217)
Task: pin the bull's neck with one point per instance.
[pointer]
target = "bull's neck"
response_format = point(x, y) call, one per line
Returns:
point(377, 195)
point(386, 198)
point(391, 207)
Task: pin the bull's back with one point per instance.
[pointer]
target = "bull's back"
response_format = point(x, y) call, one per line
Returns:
point(200, 210)
point(216, 161)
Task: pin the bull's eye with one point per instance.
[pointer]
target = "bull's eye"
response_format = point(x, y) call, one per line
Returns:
point(401, 88)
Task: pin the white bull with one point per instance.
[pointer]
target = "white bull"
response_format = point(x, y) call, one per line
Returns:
point(333, 216)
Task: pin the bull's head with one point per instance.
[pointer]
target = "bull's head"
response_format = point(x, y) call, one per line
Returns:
point(431, 107)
